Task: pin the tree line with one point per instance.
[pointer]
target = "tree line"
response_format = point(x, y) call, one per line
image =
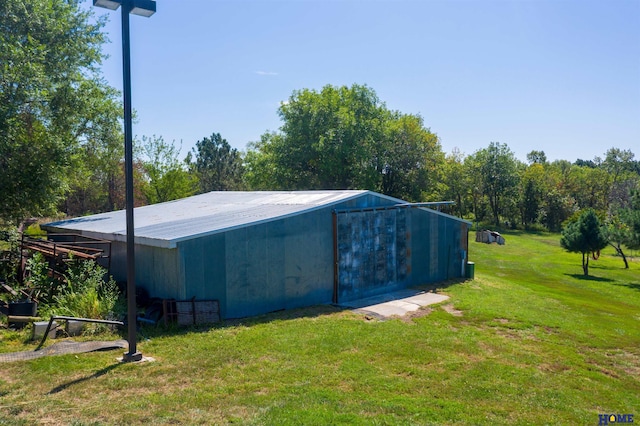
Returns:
point(61, 146)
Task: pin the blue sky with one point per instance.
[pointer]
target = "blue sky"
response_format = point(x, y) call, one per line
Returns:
point(562, 76)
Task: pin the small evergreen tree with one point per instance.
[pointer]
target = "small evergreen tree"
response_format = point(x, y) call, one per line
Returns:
point(585, 235)
point(218, 166)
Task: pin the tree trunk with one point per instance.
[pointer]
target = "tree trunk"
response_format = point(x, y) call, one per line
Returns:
point(585, 263)
point(621, 253)
point(624, 258)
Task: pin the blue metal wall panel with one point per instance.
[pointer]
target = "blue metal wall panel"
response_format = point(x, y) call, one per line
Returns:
point(204, 270)
point(280, 264)
point(119, 261)
point(253, 286)
point(437, 247)
point(308, 270)
point(157, 269)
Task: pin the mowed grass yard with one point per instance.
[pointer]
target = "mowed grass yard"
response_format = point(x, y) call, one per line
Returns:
point(534, 342)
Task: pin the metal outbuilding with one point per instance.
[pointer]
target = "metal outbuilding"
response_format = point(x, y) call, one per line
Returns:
point(258, 252)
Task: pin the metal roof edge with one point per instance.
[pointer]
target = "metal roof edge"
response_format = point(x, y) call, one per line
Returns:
point(386, 197)
point(356, 193)
point(402, 203)
point(446, 215)
point(113, 236)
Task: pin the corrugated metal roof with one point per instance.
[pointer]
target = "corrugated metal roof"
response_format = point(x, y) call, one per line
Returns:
point(166, 224)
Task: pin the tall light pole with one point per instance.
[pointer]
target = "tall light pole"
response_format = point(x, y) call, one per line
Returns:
point(143, 8)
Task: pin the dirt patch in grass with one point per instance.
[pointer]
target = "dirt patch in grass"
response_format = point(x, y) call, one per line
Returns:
point(409, 317)
point(368, 317)
point(616, 363)
point(508, 333)
point(528, 333)
point(609, 373)
point(453, 311)
point(628, 362)
point(6, 378)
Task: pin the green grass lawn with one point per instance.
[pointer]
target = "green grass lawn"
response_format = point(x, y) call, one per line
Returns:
point(536, 343)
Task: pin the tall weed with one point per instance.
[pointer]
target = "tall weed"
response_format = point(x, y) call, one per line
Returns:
point(38, 282)
point(86, 293)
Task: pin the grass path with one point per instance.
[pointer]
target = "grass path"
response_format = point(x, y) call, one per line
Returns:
point(536, 343)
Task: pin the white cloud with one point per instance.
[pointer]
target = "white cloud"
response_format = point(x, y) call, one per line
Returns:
point(266, 73)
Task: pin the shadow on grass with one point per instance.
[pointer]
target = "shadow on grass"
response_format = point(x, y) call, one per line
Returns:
point(95, 375)
point(148, 331)
point(590, 278)
point(633, 286)
point(315, 311)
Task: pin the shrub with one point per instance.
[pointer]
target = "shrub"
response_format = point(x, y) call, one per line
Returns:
point(85, 293)
point(38, 282)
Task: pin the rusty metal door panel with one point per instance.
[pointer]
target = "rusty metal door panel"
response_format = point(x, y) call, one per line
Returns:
point(373, 255)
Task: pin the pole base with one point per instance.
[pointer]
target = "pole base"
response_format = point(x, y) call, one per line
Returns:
point(135, 357)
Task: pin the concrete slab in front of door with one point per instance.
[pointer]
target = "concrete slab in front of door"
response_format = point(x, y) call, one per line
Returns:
point(395, 303)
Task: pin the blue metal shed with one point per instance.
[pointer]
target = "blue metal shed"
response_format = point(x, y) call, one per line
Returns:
point(258, 252)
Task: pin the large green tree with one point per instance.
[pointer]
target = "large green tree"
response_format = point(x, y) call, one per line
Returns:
point(260, 162)
point(590, 187)
point(537, 157)
point(532, 193)
point(346, 138)
point(410, 159)
point(479, 203)
point(49, 53)
point(617, 162)
point(558, 204)
point(326, 141)
point(167, 177)
point(457, 182)
point(497, 174)
point(585, 235)
point(96, 175)
point(557, 208)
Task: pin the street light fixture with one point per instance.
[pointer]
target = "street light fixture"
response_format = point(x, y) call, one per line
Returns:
point(142, 8)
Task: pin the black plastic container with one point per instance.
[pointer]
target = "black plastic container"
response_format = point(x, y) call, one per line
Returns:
point(25, 308)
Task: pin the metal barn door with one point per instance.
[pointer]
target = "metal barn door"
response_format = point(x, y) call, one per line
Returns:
point(371, 249)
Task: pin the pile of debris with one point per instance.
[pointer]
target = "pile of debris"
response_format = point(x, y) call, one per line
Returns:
point(487, 236)
point(57, 250)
